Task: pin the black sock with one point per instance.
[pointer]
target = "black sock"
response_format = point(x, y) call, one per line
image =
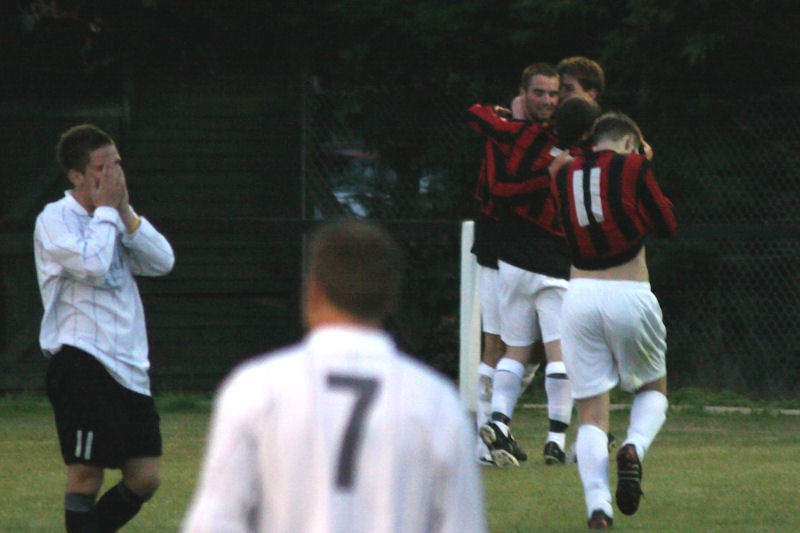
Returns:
point(80, 515)
point(558, 427)
point(116, 508)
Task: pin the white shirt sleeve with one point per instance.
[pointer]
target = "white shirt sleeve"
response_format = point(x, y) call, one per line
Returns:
point(149, 252)
point(83, 255)
point(228, 491)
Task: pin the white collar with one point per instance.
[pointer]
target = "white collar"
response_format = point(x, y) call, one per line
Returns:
point(345, 334)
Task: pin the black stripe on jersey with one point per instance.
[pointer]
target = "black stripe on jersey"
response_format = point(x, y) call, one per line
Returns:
point(530, 156)
point(596, 232)
point(614, 182)
point(563, 208)
point(535, 202)
point(499, 172)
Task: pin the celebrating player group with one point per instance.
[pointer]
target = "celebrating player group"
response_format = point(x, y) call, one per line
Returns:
point(566, 198)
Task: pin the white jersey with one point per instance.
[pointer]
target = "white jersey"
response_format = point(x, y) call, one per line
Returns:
point(85, 265)
point(339, 434)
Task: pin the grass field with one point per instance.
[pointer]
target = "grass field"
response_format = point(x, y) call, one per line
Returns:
point(705, 473)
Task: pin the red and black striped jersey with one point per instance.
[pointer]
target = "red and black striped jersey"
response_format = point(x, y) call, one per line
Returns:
point(484, 246)
point(608, 203)
point(522, 184)
point(483, 195)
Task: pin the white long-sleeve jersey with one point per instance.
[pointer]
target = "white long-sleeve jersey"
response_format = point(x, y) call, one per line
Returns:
point(338, 434)
point(85, 265)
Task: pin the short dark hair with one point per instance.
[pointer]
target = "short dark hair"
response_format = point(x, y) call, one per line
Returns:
point(537, 69)
point(75, 145)
point(573, 120)
point(589, 73)
point(614, 125)
point(358, 266)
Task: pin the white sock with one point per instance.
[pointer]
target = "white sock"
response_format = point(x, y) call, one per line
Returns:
point(648, 413)
point(507, 385)
point(591, 448)
point(559, 399)
point(483, 394)
point(559, 438)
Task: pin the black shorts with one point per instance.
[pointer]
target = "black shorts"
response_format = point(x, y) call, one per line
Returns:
point(99, 422)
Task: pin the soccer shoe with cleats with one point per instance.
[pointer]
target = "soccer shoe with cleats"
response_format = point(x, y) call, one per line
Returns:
point(629, 479)
point(482, 454)
point(486, 460)
point(600, 520)
point(553, 454)
point(502, 445)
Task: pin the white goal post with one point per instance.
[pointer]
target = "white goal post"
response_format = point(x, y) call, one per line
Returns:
point(469, 318)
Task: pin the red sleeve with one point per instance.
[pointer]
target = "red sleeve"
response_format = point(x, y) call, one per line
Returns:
point(503, 133)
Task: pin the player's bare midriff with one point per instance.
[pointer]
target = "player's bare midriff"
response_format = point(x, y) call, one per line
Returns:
point(633, 270)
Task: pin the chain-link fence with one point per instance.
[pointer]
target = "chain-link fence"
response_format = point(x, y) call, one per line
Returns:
point(728, 283)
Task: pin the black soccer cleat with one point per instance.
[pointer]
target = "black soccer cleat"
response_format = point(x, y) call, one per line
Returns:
point(502, 445)
point(600, 520)
point(553, 454)
point(629, 479)
point(486, 461)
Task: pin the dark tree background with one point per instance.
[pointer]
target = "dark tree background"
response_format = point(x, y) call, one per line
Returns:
point(713, 83)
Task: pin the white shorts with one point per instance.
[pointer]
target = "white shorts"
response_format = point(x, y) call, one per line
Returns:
point(612, 333)
point(490, 299)
point(530, 306)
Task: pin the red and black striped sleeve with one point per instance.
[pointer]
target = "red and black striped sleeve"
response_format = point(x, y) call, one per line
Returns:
point(502, 132)
point(655, 208)
point(526, 146)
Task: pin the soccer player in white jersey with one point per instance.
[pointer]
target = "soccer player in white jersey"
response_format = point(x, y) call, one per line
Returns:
point(341, 433)
point(88, 246)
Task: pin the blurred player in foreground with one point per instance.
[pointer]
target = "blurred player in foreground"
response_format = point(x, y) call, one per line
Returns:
point(612, 332)
point(88, 247)
point(342, 432)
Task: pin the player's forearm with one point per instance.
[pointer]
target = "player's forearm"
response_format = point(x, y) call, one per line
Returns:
point(150, 252)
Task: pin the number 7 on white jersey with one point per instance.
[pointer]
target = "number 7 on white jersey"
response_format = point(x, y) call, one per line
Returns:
point(364, 389)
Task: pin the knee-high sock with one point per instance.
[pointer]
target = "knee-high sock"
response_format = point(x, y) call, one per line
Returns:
point(648, 413)
point(507, 385)
point(591, 448)
point(559, 401)
point(116, 507)
point(483, 394)
point(80, 515)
